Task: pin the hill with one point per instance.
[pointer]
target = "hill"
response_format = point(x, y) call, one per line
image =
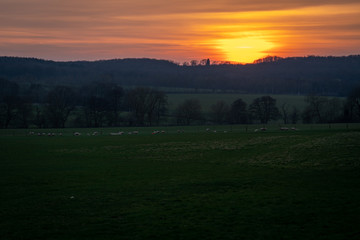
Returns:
point(334, 76)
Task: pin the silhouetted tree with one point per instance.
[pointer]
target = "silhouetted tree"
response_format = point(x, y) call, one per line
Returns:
point(60, 102)
point(353, 104)
point(115, 101)
point(220, 112)
point(188, 111)
point(285, 112)
point(40, 118)
point(314, 111)
point(294, 115)
point(238, 112)
point(24, 113)
point(9, 110)
point(95, 111)
point(146, 104)
point(264, 109)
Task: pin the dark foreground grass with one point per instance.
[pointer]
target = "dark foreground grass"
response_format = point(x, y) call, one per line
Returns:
point(279, 185)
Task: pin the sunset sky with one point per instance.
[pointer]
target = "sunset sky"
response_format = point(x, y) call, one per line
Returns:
point(178, 30)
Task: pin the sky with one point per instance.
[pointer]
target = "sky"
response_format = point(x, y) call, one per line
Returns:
point(178, 30)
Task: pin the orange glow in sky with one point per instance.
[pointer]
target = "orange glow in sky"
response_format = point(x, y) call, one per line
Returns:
point(244, 50)
point(178, 30)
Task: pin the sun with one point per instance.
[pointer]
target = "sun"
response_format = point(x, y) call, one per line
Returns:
point(244, 50)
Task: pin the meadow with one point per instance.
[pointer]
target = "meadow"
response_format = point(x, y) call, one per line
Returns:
point(235, 183)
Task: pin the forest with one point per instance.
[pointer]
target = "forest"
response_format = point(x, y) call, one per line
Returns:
point(325, 76)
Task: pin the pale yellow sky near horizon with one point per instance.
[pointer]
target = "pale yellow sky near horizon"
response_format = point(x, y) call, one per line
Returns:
point(178, 30)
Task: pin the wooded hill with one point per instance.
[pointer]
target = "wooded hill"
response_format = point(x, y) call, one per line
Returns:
point(333, 76)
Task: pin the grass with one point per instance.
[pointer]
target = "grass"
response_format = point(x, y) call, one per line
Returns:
point(194, 185)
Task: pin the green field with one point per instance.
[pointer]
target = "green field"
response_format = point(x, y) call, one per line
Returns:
point(237, 184)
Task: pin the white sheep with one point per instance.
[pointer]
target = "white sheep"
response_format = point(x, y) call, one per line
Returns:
point(77, 134)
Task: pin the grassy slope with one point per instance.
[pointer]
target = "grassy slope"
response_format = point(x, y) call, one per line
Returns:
point(271, 185)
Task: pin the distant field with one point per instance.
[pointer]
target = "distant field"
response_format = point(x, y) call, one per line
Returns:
point(196, 184)
point(208, 99)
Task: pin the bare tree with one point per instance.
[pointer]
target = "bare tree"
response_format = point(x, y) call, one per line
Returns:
point(315, 108)
point(95, 111)
point(353, 103)
point(188, 111)
point(264, 109)
point(146, 104)
point(285, 112)
point(9, 109)
point(238, 112)
point(220, 111)
point(60, 103)
point(295, 115)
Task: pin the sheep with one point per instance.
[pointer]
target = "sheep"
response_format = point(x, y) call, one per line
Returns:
point(95, 133)
point(135, 132)
point(117, 133)
point(263, 129)
point(77, 134)
point(284, 129)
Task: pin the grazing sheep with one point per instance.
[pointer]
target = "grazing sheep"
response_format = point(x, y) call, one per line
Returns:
point(263, 129)
point(95, 133)
point(135, 132)
point(117, 134)
point(284, 129)
point(77, 134)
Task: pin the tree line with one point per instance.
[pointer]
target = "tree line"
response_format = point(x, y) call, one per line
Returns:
point(330, 76)
point(105, 104)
